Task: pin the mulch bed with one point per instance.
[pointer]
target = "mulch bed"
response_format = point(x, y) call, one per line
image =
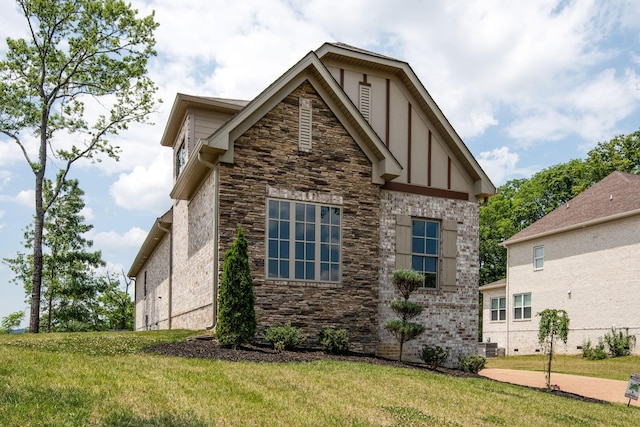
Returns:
point(205, 348)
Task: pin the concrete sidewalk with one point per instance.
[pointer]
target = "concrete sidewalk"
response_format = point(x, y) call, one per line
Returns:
point(596, 388)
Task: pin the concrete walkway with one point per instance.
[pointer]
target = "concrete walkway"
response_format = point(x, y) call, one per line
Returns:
point(596, 388)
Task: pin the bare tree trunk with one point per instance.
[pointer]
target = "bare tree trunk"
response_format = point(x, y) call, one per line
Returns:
point(39, 171)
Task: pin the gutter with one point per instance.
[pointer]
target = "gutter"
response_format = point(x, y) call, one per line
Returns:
point(215, 167)
point(170, 291)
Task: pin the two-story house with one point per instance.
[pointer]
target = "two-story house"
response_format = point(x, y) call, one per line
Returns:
point(584, 258)
point(341, 171)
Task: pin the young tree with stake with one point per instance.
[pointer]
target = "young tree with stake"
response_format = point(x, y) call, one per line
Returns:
point(554, 325)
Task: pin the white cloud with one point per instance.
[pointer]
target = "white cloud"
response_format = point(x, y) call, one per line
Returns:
point(501, 165)
point(87, 213)
point(114, 242)
point(146, 188)
point(26, 198)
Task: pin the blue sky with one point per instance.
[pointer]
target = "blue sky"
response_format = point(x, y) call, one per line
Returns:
point(527, 85)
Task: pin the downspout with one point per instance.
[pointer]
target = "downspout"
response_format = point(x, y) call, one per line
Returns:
point(170, 292)
point(216, 216)
point(507, 303)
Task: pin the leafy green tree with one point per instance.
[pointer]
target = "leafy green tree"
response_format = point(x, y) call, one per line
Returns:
point(70, 283)
point(237, 317)
point(116, 305)
point(12, 321)
point(622, 153)
point(554, 325)
point(405, 282)
point(78, 51)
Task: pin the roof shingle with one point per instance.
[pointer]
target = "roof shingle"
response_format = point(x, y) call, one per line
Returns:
point(616, 194)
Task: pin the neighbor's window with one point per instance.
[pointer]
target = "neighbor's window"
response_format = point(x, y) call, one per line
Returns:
point(538, 257)
point(303, 241)
point(425, 249)
point(498, 309)
point(522, 306)
point(181, 158)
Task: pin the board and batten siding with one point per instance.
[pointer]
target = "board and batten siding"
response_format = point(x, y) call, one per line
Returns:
point(404, 128)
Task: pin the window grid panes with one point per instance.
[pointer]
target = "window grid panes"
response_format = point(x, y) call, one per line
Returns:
point(279, 241)
point(522, 306)
point(181, 158)
point(304, 241)
point(425, 250)
point(538, 257)
point(498, 309)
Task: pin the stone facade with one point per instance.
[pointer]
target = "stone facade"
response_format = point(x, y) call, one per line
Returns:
point(450, 316)
point(268, 163)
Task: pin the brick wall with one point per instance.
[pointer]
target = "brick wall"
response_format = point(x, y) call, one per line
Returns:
point(152, 309)
point(268, 163)
point(598, 264)
point(451, 318)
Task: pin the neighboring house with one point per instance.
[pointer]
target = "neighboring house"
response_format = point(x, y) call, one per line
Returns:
point(341, 171)
point(583, 257)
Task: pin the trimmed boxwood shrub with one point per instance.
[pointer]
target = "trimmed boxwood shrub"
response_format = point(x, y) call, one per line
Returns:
point(334, 341)
point(285, 337)
point(434, 356)
point(473, 363)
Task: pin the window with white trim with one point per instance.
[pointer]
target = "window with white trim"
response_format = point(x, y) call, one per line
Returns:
point(538, 258)
point(498, 309)
point(522, 306)
point(425, 250)
point(303, 241)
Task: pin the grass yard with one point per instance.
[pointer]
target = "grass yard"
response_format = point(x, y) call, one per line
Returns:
point(617, 368)
point(102, 379)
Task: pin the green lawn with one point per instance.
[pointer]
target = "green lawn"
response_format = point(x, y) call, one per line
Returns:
point(618, 368)
point(102, 379)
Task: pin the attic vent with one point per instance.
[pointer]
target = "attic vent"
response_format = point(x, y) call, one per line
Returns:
point(365, 100)
point(304, 125)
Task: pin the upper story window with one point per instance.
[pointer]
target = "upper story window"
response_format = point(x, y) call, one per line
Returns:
point(181, 158)
point(304, 241)
point(538, 258)
point(425, 250)
point(498, 309)
point(522, 306)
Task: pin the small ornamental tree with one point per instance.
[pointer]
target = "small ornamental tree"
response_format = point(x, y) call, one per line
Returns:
point(236, 316)
point(405, 282)
point(554, 325)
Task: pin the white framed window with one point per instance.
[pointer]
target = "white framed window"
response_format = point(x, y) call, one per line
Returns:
point(425, 250)
point(538, 258)
point(303, 241)
point(522, 306)
point(498, 309)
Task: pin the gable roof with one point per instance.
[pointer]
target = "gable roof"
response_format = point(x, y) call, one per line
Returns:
point(219, 146)
point(182, 102)
point(498, 284)
point(404, 72)
point(614, 197)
